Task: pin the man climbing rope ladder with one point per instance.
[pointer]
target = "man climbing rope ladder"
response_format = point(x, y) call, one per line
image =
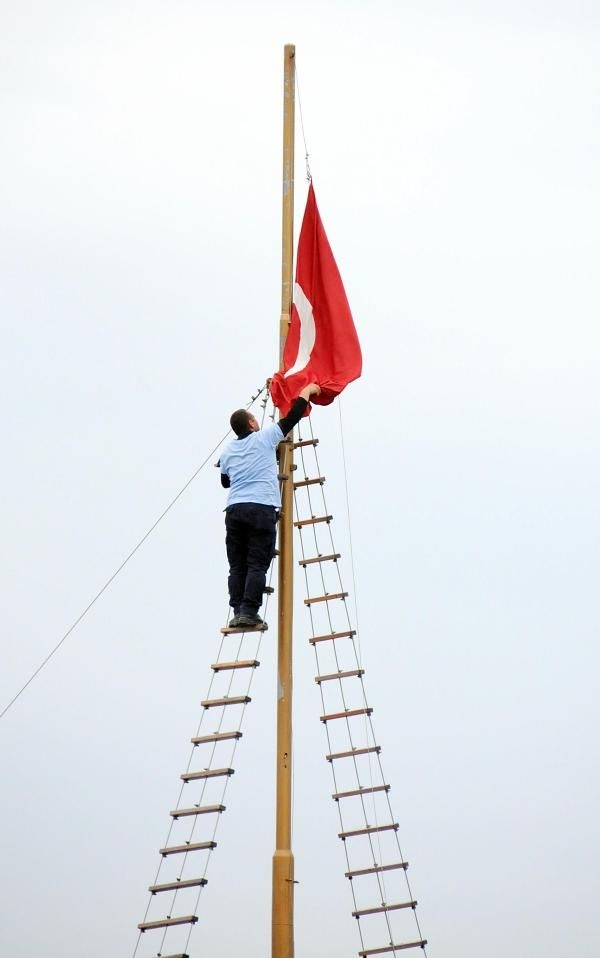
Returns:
point(249, 471)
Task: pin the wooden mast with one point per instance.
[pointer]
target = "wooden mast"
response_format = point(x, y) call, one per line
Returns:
point(283, 859)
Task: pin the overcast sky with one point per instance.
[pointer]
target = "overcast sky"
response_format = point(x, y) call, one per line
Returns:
point(455, 150)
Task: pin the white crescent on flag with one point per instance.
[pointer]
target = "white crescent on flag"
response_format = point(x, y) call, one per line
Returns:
point(307, 330)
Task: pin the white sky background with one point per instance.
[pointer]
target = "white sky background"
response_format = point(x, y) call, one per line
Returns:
point(455, 150)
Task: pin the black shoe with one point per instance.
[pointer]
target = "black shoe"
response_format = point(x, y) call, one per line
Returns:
point(252, 620)
point(234, 622)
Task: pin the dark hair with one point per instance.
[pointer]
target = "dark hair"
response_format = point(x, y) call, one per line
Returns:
point(240, 421)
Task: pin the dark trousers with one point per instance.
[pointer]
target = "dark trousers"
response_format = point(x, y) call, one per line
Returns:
point(250, 542)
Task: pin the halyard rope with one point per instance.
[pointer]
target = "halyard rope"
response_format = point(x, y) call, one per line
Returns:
point(308, 173)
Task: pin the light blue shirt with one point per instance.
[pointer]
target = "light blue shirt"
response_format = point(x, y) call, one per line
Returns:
point(252, 468)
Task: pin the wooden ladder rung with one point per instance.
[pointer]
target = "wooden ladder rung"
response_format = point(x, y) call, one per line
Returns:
point(349, 713)
point(357, 873)
point(312, 521)
point(239, 664)
point(197, 810)
point(370, 830)
point(367, 790)
point(382, 908)
point(305, 442)
point(206, 773)
point(389, 948)
point(326, 598)
point(227, 700)
point(331, 636)
point(192, 847)
point(215, 737)
point(227, 630)
point(309, 482)
point(168, 922)
point(176, 885)
point(333, 557)
point(339, 675)
point(354, 751)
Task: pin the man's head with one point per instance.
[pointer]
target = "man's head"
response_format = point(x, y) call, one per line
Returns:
point(243, 422)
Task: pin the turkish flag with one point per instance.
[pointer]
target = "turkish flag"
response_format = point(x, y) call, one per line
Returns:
point(321, 345)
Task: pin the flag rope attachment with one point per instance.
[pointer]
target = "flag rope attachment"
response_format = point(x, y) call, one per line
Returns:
point(306, 154)
point(123, 564)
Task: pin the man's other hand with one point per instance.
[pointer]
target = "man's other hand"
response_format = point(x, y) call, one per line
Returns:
point(311, 390)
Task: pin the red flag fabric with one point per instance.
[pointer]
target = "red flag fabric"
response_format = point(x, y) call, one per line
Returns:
point(321, 345)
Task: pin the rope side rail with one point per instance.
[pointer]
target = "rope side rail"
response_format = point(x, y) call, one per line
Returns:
point(195, 817)
point(375, 864)
point(191, 836)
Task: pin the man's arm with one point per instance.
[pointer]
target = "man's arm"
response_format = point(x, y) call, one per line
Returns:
point(297, 411)
point(225, 481)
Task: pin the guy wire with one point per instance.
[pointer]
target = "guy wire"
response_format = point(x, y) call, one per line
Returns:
point(122, 566)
